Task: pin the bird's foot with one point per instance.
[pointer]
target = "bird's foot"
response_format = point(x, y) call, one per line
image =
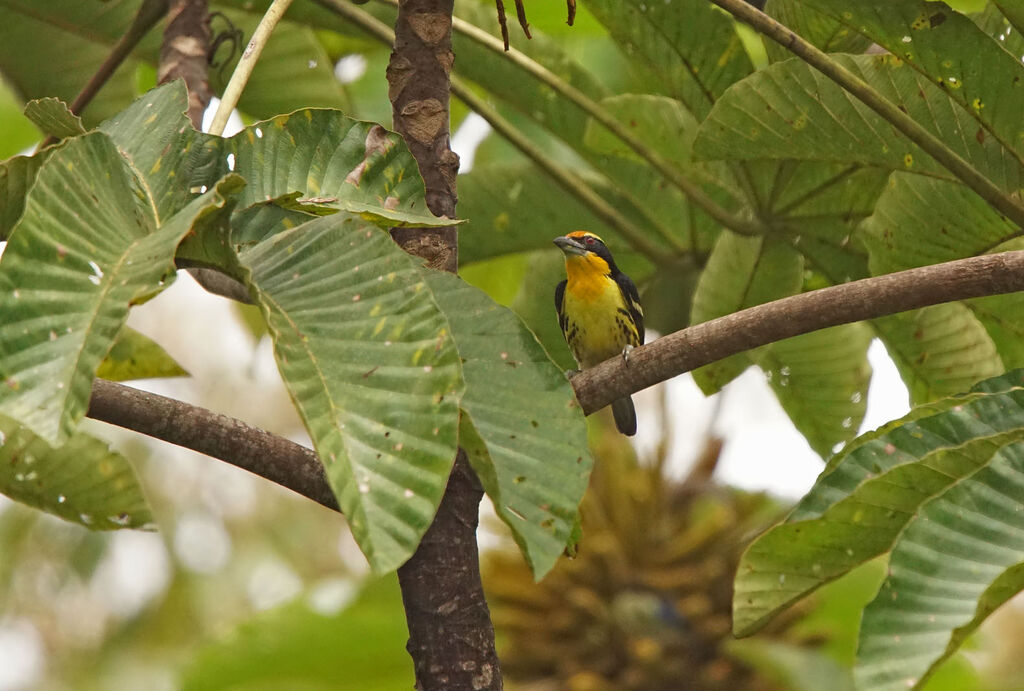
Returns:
point(626, 350)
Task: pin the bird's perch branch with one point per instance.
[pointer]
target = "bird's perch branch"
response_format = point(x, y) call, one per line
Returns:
point(298, 468)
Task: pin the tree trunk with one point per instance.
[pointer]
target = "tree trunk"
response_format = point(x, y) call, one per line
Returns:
point(451, 639)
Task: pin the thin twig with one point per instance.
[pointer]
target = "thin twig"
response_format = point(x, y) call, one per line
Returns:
point(145, 19)
point(860, 89)
point(240, 77)
point(868, 298)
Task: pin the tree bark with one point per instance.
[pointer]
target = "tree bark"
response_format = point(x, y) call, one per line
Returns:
point(451, 638)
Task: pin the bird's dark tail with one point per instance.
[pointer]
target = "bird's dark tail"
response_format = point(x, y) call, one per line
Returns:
point(625, 416)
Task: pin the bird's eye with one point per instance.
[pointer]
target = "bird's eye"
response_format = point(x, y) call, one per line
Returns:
point(590, 240)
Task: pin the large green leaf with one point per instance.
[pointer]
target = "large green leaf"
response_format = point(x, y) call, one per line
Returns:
point(871, 491)
point(369, 361)
point(957, 560)
point(81, 480)
point(821, 379)
point(334, 162)
point(947, 48)
point(691, 46)
point(88, 245)
point(521, 425)
point(741, 272)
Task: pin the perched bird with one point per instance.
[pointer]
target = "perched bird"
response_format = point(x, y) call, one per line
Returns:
point(599, 311)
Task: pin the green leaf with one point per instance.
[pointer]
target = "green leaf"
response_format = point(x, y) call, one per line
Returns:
point(870, 492)
point(333, 161)
point(691, 46)
point(136, 356)
point(741, 272)
point(87, 246)
point(940, 350)
point(821, 30)
point(960, 558)
point(821, 379)
point(369, 361)
point(54, 48)
point(54, 118)
point(661, 123)
point(529, 436)
point(17, 176)
point(920, 221)
point(795, 667)
point(947, 48)
point(82, 481)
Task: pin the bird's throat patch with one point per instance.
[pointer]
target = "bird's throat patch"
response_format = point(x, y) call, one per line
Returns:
point(587, 276)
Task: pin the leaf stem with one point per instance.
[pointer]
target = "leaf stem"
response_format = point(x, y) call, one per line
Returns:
point(244, 68)
point(860, 89)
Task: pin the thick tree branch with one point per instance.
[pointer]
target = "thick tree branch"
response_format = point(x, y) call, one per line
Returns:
point(274, 458)
point(297, 468)
point(184, 53)
point(869, 298)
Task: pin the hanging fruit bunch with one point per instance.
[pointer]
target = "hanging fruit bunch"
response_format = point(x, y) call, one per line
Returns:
point(646, 602)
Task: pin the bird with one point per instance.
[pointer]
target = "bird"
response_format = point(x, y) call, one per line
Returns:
point(599, 311)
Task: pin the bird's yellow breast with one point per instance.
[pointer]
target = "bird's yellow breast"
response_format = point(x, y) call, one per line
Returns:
point(598, 328)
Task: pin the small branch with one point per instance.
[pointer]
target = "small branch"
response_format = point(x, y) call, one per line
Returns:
point(869, 298)
point(240, 77)
point(145, 19)
point(274, 458)
point(856, 86)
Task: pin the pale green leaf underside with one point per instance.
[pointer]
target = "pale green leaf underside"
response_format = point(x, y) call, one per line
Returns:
point(88, 245)
point(741, 272)
point(81, 481)
point(859, 506)
point(369, 362)
point(532, 455)
point(955, 562)
point(136, 356)
point(821, 379)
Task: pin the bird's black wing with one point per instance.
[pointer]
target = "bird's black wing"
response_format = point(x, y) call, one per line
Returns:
point(632, 299)
point(559, 301)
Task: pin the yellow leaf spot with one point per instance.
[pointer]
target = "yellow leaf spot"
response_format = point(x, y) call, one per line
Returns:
point(908, 161)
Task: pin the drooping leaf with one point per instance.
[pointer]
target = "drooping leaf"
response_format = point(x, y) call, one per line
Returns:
point(53, 117)
point(82, 480)
point(87, 246)
point(369, 361)
point(531, 438)
point(741, 272)
point(17, 175)
point(821, 380)
point(136, 356)
point(871, 491)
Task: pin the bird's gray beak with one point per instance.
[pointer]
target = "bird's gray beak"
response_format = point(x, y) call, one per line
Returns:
point(570, 245)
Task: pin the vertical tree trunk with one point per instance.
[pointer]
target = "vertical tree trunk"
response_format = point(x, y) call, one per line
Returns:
point(451, 639)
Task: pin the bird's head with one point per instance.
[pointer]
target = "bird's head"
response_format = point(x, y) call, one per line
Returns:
point(581, 245)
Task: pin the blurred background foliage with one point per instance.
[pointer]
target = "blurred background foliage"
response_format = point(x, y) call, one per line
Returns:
point(246, 586)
